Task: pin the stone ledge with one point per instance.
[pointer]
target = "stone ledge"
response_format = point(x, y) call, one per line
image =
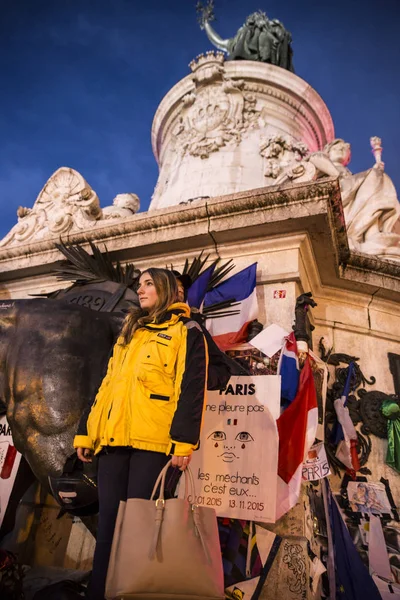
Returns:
point(196, 212)
point(370, 263)
point(314, 209)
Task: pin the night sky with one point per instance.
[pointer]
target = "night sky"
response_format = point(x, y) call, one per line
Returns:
point(80, 81)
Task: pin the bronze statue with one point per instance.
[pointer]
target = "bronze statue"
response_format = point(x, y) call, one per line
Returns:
point(259, 38)
point(52, 359)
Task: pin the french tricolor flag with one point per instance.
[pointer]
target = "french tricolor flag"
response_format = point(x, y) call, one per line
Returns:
point(297, 425)
point(345, 434)
point(228, 331)
point(288, 369)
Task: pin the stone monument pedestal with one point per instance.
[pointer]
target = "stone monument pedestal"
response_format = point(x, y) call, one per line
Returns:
point(233, 126)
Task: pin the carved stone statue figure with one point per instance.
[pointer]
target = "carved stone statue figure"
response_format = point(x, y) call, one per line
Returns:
point(124, 205)
point(371, 206)
point(259, 38)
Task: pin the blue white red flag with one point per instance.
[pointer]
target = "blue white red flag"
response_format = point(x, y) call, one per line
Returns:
point(288, 369)
point(197, 290)
point(230, 330)
point(297, 427)
point(353, 580)
point(345, 433)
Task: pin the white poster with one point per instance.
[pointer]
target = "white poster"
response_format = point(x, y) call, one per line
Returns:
point(316, 465)
point(9, 463)
point(235, 469)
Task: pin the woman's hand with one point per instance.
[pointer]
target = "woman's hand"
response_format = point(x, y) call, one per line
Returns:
point(84, 454)
point(181, 462)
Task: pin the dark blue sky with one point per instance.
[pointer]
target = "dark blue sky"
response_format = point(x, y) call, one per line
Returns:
point(80, 81)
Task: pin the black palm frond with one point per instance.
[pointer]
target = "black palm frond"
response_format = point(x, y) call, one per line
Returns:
point(221, 309)
point(220, 273)
point(82, 267)
point(197, 267)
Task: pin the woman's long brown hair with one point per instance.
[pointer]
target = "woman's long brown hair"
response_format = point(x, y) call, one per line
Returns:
point(167, 293)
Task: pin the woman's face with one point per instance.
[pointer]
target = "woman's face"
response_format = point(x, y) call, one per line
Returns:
point(340, 153)
point(361, 491)
point(147, 292)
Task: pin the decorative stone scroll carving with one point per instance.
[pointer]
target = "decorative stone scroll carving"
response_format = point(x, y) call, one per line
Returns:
point(282, 153)
point(217, 112)
point(66, 204)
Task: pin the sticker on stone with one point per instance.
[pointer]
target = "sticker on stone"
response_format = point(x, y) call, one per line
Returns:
point(279, 294)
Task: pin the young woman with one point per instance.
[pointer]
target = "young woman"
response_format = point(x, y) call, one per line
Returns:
point(149, 406)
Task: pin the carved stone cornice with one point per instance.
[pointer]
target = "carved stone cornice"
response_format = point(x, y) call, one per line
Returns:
point(314, 209)
point(194, 212)
point(110, 233)
point(368, 262)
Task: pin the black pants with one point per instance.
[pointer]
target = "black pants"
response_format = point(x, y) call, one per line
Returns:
point(123, 473)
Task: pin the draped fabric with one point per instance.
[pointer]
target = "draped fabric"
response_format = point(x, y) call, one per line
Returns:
point(370, 204)
point(391, 410)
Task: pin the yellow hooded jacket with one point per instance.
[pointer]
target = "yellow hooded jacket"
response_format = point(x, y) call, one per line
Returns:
point(153, 394)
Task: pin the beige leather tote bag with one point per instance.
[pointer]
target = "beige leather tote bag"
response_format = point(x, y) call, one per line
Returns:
point(165, 549)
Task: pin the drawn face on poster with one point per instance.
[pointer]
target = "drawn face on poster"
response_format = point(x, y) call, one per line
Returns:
point(368, 498)
point(235, 468)
point(230, 444)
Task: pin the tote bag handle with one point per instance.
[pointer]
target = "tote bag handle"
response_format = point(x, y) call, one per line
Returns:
point(189, 483)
